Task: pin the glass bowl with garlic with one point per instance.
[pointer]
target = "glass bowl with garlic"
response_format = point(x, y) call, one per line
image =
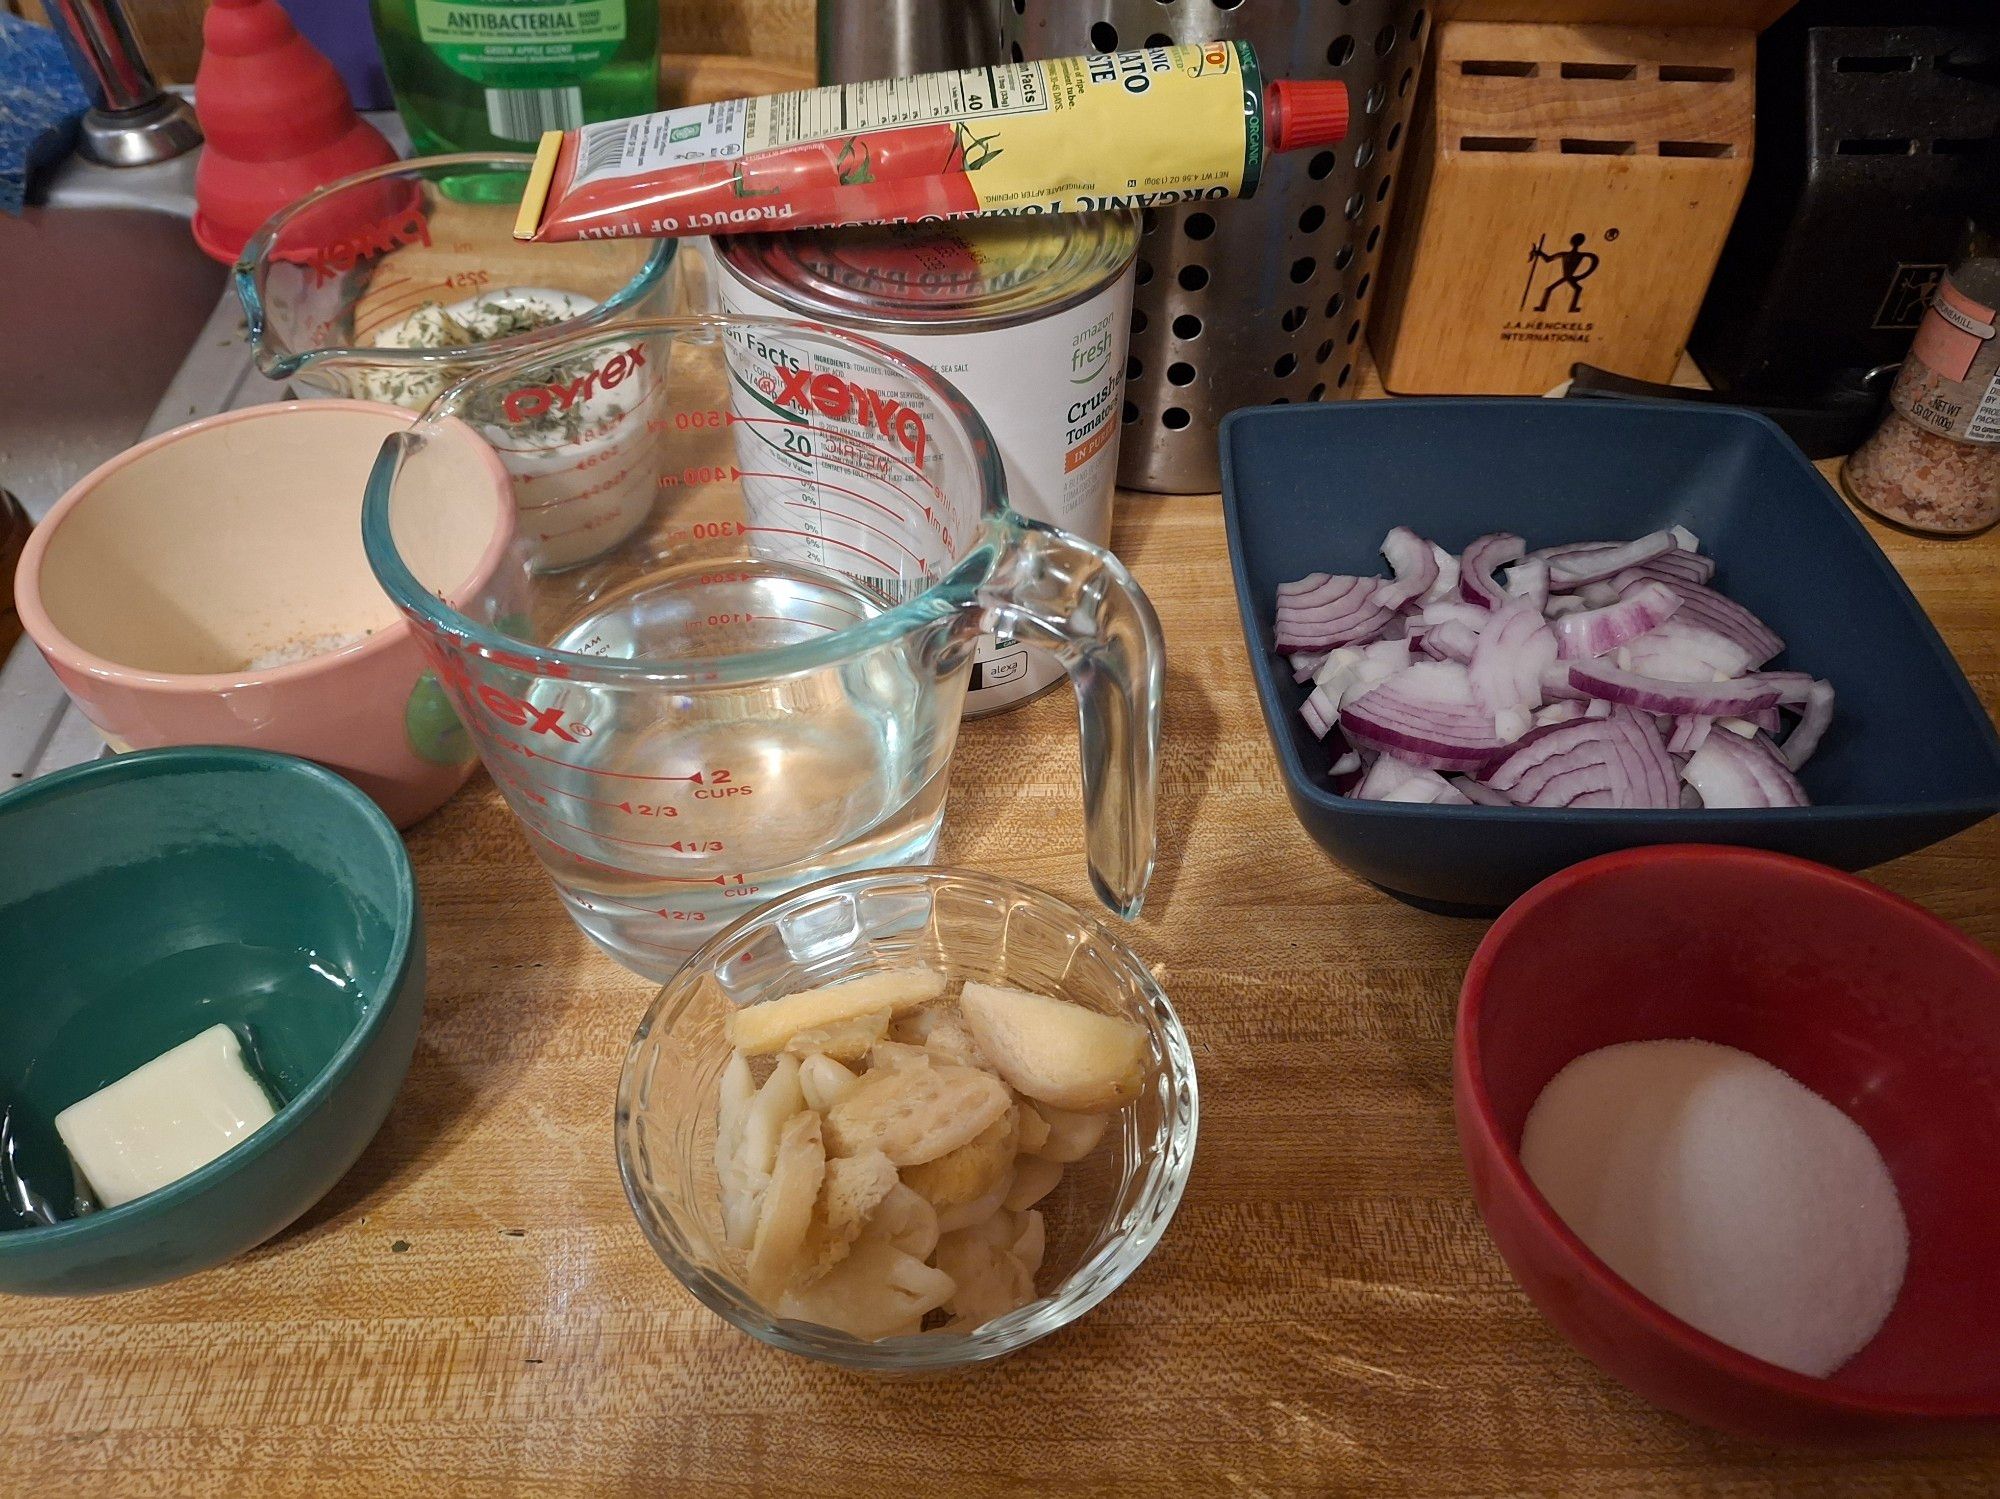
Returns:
point(907, 1121)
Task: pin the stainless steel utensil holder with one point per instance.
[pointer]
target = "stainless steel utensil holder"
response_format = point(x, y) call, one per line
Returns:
point(1264, 300)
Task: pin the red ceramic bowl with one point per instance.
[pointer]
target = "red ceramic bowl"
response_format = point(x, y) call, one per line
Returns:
point(1868, 1000)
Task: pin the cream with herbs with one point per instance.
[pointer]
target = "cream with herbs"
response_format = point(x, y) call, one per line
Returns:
point(577, 484)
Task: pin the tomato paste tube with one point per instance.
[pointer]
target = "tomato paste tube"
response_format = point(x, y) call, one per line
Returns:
point(1160, 125)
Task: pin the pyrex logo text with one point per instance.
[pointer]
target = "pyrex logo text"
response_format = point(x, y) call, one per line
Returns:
point(533, 401)
point(378, 238)
point(504, 706)
point(844, 401)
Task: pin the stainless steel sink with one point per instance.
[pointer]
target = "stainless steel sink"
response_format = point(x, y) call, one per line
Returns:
point(113, 327)
point(102, 296)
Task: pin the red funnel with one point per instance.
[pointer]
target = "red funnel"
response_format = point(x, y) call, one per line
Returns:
point(278, 120)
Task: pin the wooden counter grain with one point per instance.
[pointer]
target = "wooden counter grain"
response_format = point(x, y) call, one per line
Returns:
point(473, 1309)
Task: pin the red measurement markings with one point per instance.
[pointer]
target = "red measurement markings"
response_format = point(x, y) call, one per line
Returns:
point(856, 494)
point(584, 435)
point(534, 824)
point(532, 788)
point(713, 777)
point(890, 453)
point(887, 567)
point(786, 619)
point(854, 520)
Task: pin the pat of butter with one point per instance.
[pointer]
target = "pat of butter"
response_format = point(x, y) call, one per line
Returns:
point(172, 1116)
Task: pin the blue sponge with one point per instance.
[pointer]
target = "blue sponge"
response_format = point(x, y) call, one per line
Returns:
point(40, 103)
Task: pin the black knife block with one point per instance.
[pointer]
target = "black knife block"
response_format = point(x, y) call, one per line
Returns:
point(1857, 197)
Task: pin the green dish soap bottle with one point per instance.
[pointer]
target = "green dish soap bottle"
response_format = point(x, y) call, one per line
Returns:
point(492, 75)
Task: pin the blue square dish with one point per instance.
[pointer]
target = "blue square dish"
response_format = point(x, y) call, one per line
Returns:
point(1911, 756)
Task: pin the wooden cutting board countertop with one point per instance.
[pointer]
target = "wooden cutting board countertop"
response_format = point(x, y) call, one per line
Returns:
point(473, 1309)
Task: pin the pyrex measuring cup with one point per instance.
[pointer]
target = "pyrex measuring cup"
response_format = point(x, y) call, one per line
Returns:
point(392, 283)
point(759, 685)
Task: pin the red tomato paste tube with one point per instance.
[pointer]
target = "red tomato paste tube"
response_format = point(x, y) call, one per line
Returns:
point(1160, 125)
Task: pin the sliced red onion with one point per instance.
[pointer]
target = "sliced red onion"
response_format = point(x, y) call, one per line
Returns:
point(1479, 793)
point(1450, 641)
point(1528, 581)
point(1678, 651)
point(1415, 564)
point(1475, 569)
point(1446, 584)
point(1673, 567)
point(1596, 631)
point(1450, 611)
point(1563, 603)
point(1617, 761)
point(1555, 713)
point(1690, 729)
point(1657, 695)
point(1684, 539)
point(1426, 714)
point(1731, 771)
point(1346, 765)
point(1573, 549)
point(1391, 780)
point(1804, 739)
point(1333, 611)
point(1578, 568)
point(1305, 664)
point(1701, 605)
point(1596, 595)
point(1352, 670)
point(1319, 712)
point(1514, 649)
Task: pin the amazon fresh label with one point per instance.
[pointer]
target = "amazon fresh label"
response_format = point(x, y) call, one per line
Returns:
point(523, 43)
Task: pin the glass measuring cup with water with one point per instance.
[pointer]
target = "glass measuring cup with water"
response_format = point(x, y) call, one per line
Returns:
point(760, 684)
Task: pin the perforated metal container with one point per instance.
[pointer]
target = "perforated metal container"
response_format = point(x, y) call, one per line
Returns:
point(1263, 300)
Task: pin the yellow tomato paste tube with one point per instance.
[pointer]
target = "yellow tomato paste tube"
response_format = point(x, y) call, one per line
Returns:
point(1160, 125)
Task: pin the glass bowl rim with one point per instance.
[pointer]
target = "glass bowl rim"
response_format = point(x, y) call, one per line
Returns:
point(1166, 1169)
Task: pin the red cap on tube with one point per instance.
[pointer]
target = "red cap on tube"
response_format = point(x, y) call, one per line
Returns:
point(1299, 113)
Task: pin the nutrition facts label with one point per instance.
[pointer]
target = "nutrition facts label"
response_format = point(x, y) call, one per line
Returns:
point(815, 114)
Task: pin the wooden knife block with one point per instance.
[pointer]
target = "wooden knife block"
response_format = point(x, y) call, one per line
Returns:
point(1567, 194)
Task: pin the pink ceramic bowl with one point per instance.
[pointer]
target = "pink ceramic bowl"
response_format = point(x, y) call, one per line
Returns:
point(209, 587)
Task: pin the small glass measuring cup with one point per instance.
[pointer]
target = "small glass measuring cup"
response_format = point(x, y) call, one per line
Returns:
point(759, 684)
point(392, 283)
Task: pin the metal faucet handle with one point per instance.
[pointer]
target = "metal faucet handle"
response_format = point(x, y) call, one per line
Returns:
point(132, 121)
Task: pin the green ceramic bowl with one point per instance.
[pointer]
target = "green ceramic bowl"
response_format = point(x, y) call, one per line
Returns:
point(147, 897)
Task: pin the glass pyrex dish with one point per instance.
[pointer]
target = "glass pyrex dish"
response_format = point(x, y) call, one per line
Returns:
point(728, 651)
point(392, 283)
point(1105, 1214)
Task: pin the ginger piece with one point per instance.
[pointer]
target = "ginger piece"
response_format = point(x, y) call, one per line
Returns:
point(1054, 1051)
point(876, 1292)
point(970, 1172)
point(1071, 1136)
point(853, 1189)
point(941, 1033)
point(762, 1029)
point(1034, 1179)
point(844, 1040)
point(824, 1082)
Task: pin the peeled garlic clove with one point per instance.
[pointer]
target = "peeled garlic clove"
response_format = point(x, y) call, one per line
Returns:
point(776, 1253)
point(876, 1292)
point(1034, 1129)
point(988, 1281)
point(941, 1033)
point(769, 1111)
point(971, 1171)
point(845, 1041)
point(915, 1114)
point(1032, 1245)
point(1056, 1052)
point(1071, 1136)
point(740, 1186)
point(964, 1215)
point(760, 1029)
point(1034, 1179)
point(896, 1054)
point(824, 1082)
point(853, 1189)
point(906, 1221)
